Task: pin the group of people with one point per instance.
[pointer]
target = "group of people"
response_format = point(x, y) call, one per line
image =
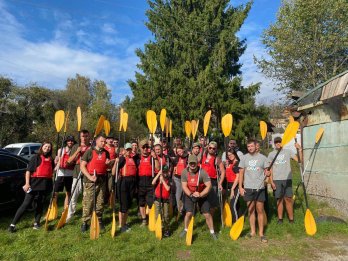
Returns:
point(156, 174)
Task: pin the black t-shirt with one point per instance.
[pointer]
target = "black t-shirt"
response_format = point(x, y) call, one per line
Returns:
point(39, 184)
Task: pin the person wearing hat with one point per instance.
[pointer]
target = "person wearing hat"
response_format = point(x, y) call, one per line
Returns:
point(64, 169)
point(281, 179)
point(126, 182)
point(196, 186)
point(109, 146)
point(148, 163)
point(162, 197)
point(196, 150)
point(213, 165)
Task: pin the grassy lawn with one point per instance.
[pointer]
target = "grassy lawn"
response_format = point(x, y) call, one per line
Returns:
point(286, 241)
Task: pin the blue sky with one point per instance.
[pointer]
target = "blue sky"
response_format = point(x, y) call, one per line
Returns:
point(48, 41)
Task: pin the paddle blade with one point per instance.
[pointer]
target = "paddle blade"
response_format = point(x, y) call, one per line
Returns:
point(53, 213)
point(188, 128)
point(158, 227)
point(79, 118)
point(189, 232)
point(170, 128)
point(310, 225)
point(291, 119)
point(163, 118)
point(319, 134)
point(113, 225)
point(125, 121)
point(237, 228)
point(226, 124)
point(147, 210)
point(167, 127)
point(121, 116)
point(94, 231)
point(152, 218)
point(194, 128)
point(59, 119)
point(263, 129)
point(100, 125)
point(206, 122)
point(151, 121)
point(62, 219)
point(290, 132)
point(226, 215)
point(66, 121)
point(107, 127)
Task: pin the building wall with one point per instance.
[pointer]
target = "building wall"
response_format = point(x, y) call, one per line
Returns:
point(327, 172)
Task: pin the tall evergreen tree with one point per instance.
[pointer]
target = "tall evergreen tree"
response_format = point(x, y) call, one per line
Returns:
point(192, 64)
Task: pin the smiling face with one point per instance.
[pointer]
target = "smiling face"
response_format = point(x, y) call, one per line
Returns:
point(46, 148)
point(251, 147)
point(231, 156)
point(158, 150)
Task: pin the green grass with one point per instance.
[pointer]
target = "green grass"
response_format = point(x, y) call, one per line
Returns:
point(286, 241)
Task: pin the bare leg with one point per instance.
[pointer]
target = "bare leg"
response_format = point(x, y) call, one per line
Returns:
point(142, 212)
point(259, 209)
point(280, 207)
point(251, 212)
point(66, 201)
point(289, 204)
point(187, 219)
point(209, 221)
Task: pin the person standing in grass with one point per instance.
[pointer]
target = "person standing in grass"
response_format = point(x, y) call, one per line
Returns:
point(281, 179)
point(232, 178)
point(162, 196)
point(126, 183)
point(180, 165)
point(38, 184)
point(109, 146)
point(192, 194)
point(252, 174)
point(94, 165)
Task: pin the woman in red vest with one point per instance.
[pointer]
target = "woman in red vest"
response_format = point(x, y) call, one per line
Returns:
point(38, 184)
point(232, 177)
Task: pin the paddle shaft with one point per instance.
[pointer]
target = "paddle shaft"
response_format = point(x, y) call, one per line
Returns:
point(115, 188)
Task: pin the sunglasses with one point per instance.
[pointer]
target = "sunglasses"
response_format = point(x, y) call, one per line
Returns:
point(146, 147)
point(277, 142)
point(212, 148)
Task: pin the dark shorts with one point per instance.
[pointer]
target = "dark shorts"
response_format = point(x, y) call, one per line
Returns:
point(125, 192)
point(255, 195)
point(145, 196)
point(63, 182)
point(213, 194)
point(203, 204)
point(283, 188)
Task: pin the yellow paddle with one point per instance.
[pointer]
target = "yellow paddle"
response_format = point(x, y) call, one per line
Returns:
point(94, 231)
point(100, 125)
point(263, 129)
point(289, 134)
point(78, 116)
point(206, 122)
point(107, 127)
point(226, 125)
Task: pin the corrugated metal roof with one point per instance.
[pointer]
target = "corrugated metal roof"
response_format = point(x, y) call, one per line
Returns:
point(333, 87)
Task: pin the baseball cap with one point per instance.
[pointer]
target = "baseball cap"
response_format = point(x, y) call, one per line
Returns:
point(70, 138)
point(192, 159)
point(213, 143)
point(277, 139)
point(128, 146)
point(143, 142)
point(196, 144)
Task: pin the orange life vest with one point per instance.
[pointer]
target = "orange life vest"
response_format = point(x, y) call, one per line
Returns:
point(44, 170)
point(145, 168)
point(129, 169)
point(182, 164)
point(209, 166)
point(84, 148)
point(192, 183)
point(97, 163)
point(111, 151)
point(64, 161)
point(165, 193)
point(230, 174)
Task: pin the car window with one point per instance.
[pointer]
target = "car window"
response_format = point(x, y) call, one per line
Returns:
point(25, 151)
point(13, 150)
point(8, 163)
point(34, 149)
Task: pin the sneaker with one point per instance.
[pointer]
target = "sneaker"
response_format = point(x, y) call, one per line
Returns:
point(166, 233)
point(101, 226)
point(84, 227)
point(125, 229)
point(213, 235)
point(36, 226)
point(280, 221)
point(143, 222)
point(291, 221)
point(12, 229)
point(183, 233)
point(264, 239)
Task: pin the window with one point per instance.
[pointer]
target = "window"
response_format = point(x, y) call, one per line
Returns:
point(34, 149)
point(8, 163)
point(25, 151)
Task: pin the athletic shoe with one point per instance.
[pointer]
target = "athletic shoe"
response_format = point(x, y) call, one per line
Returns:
point(11, 229)
point(36, 226)
point(183, 233)
point(125, 229)
point(280, 221)
point(144, 223)
point(84, 227)
point(166, 233)
point(213, 235)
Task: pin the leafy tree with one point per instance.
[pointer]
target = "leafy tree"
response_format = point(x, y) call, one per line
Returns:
point(192, 64)
point(307, 45)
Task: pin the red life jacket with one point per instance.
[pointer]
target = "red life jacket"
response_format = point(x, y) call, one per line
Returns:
point(97, 163)
point(84, 148)
point(111, 151)
point(192, 183)
point(44, 170)
point(64, 161)
point(165, 193)
point(129, 169)
point(182, 164)
point(164, 162)
point(145, 168)
point(230, 174)
point(209, 166)
point(165, 151)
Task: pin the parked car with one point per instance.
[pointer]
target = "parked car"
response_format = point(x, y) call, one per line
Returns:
point(12, 179)
point(25, 150)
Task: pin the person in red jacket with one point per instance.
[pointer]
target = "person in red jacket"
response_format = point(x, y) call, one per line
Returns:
point(162, 196)
point(38, 184)
point(232, 177)
point(110, 147)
